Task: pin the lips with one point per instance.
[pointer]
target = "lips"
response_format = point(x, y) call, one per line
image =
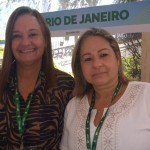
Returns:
point(98, 74)
point(27, 50)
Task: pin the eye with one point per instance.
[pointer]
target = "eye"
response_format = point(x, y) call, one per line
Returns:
point(103, 54)
point(33, 34)
point(16, 36)
point(87, 59)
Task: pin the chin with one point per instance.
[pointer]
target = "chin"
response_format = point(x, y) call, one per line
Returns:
point(100, 83)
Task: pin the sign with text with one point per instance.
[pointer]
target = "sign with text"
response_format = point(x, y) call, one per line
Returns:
point(73, 21)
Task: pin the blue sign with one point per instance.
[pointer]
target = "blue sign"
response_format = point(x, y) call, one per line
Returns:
point(132, 13)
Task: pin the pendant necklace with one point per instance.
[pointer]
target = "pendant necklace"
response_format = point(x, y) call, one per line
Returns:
point(96, 134)
point(21, 120)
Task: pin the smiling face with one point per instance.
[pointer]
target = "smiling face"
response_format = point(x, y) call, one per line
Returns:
point(27, 40)
point(98, 62)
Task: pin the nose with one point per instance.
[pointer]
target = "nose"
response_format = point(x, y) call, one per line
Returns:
point(97, 62)
point(25, 41)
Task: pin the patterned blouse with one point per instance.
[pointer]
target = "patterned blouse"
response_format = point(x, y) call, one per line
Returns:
point(44, 123)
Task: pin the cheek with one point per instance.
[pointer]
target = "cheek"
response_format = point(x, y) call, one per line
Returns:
point(15, 43)
point(14, 47)
point(85, 70)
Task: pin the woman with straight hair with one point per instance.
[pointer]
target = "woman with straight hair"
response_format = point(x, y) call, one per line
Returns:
point(107, 112)
point(33, 93)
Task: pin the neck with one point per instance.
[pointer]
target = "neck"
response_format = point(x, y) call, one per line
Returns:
point(106, 90)
point(27, 78)
point(27, 72)
point(103, 96)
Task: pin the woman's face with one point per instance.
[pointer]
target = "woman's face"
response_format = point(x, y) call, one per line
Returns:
point(98, 62)
point(27, 40)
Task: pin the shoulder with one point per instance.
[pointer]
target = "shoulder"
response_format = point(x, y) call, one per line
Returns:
point(76, 103)
point(139, 92)
point(64, 78)
point(63, 75)
point(72, 104)
point(139, 83)
point(139, 87)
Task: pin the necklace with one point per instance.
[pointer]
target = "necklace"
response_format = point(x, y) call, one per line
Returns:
point(21, 120)
point(96, 134)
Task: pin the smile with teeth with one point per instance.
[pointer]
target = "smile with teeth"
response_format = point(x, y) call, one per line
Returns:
point(27, 50)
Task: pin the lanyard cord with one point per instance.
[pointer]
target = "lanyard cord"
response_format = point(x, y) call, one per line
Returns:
point(21, 120)
point(96, 134)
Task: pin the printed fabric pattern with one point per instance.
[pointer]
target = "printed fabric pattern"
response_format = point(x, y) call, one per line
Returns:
point(44, 124)
point(108, 137)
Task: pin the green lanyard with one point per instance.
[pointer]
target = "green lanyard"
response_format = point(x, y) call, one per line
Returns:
point(21, 120)
point(96, 134)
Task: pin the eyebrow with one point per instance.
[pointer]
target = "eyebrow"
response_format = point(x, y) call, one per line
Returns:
point(85, 55)
point(17, 31)
point(103, 49)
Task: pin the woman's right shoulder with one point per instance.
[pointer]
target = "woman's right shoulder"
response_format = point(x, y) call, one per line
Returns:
point(74, 102)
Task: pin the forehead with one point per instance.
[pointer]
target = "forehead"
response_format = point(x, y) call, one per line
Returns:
point(94, 38)
point(26, 21)
point(92, 43)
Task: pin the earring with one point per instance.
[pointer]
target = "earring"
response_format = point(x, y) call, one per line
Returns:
point(13, 61)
